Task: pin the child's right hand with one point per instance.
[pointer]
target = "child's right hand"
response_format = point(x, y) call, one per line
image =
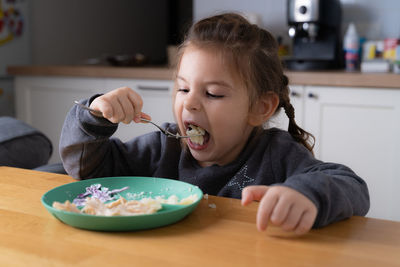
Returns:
point(120, 105)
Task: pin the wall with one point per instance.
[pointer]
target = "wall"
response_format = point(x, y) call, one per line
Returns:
point(14, 48)
point(373, 19)
point(271, 12)
point(68, 32)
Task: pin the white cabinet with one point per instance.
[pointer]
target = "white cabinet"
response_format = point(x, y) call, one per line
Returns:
point(43, 102)
point(297, 99)
point(359, 127)
point(157, 102)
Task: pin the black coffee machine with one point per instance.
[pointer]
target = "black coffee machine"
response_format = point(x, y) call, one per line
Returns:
point(314, 27)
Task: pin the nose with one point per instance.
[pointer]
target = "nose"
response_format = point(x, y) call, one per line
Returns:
point(192, 101)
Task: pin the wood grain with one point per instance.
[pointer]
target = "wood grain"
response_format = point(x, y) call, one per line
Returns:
point(224, 236)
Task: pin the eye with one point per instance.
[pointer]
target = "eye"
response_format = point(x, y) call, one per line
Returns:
point(214, 95)
point(183, 90)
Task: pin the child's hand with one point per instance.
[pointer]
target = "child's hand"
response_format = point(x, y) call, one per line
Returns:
point(120, 105)
point(282, 206)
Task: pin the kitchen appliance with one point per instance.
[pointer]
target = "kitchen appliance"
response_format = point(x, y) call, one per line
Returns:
point(314, 27)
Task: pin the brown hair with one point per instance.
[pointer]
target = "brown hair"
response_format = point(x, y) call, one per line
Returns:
point(253, 54)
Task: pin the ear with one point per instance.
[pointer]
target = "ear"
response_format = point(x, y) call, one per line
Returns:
point(263, 109)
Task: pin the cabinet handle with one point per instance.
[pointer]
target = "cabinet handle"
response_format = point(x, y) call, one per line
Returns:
point(153, 88)
point(295, 94)
point(312, 95)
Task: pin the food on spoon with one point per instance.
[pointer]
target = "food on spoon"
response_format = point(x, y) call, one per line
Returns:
point(196, 134)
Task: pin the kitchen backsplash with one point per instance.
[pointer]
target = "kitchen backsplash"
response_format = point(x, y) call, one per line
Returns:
point(374, 19)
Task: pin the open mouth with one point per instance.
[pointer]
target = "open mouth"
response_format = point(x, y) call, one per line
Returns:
point(199, 136)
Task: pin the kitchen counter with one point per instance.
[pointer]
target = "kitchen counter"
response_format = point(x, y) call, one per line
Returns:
point(320, 78)
point(156, 73)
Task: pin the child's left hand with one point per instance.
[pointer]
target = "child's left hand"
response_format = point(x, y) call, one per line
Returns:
point(282, 206)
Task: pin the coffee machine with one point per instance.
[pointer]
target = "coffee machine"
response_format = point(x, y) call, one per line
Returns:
point(314, 27)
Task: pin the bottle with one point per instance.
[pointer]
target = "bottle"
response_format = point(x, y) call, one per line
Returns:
point(396, 64)
point(351, 44)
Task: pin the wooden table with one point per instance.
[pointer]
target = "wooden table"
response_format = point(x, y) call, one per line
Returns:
point(221, 236)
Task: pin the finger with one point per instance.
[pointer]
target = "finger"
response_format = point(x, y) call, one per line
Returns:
point(281, 211)
point(145, 116)
point(137, 102)
point(253, 193)
point(118, 113)
point(127, 109)
point(305, 223)
point(293, 218)
point(103, 106)
point(96, 112)
point(265, 209)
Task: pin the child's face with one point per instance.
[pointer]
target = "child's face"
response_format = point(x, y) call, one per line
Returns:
point(210, 96)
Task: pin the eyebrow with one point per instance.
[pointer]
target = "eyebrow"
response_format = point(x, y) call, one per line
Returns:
point(216, 82)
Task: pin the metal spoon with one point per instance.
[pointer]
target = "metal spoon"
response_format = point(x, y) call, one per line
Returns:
point(164, 131)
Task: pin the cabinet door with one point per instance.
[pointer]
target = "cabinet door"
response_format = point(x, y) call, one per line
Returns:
point(280, 120)
point(44, 102)
point(360, 128)
point(157, 102)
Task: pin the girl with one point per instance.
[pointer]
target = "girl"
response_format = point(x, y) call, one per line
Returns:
point(229, 82)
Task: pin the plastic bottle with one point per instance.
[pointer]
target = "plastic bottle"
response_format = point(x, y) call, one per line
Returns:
point(351, 45)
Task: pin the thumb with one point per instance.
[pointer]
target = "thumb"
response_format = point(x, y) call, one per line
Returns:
point(253, 193)
point(145, 116)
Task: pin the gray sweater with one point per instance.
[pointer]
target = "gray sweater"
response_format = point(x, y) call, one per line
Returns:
point(270, 158)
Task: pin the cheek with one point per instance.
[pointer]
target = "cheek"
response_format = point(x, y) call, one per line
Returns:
point(176, 105)
point(238, 111)
point(227, 119)
point(177, 109)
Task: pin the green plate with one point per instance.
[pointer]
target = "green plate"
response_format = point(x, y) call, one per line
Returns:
point(139, 187)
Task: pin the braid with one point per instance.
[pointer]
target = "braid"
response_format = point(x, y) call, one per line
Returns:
point(295, 131)
point(289, 110)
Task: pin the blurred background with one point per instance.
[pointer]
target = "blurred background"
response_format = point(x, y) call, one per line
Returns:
point(341, 57)
point(102, 32)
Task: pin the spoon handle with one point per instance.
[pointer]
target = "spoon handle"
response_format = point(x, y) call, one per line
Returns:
point(164, 131)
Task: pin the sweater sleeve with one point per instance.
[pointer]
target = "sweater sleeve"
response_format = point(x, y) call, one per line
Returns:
point(87, 149)
point(335, 189)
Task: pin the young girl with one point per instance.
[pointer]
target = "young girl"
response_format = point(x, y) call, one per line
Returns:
point(229, 82)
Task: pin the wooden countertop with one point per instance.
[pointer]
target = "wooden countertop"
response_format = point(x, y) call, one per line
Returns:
point(221, 236)
point(321, 78)
point(157, 73)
